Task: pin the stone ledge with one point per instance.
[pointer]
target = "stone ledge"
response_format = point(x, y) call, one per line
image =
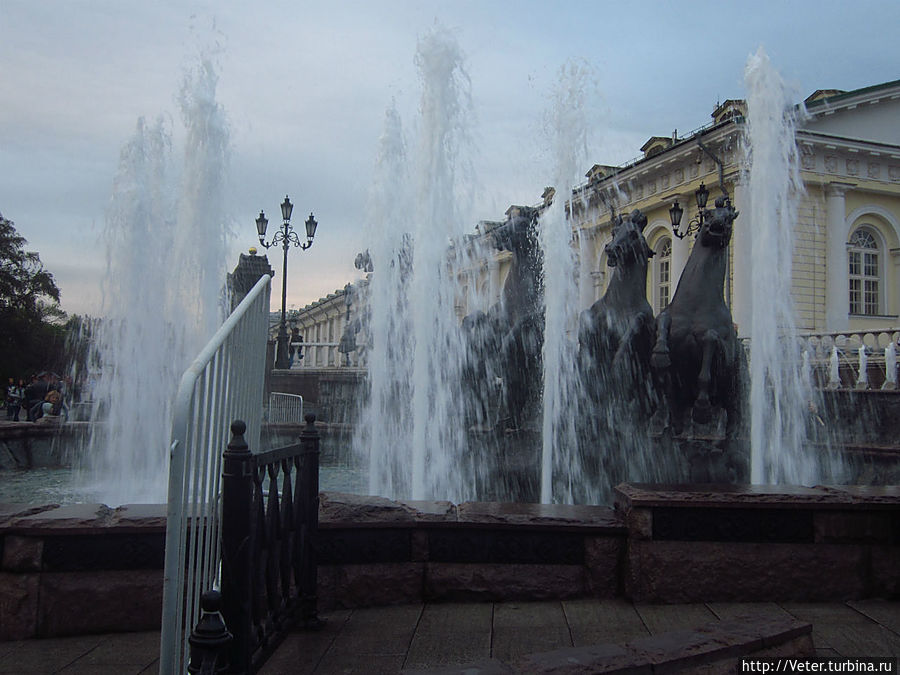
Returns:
point(337, 510)
point(559, 517)
point(80, 519)
point(634, 495)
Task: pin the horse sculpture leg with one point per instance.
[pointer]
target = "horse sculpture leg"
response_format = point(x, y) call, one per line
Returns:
point(660, 359)
point(712, 345)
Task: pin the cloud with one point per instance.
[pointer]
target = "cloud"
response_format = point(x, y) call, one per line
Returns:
point(305, 85)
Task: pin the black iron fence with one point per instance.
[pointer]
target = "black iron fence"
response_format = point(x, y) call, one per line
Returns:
point(270, 515)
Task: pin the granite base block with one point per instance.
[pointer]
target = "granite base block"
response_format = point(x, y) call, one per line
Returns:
point(349, 586)
point(76, 603)
point(603, 558)
point(496, 582)
point(18, 605)
point(684, 572)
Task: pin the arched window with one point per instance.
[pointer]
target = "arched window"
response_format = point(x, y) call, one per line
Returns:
point(663, 276)
point(865, 272)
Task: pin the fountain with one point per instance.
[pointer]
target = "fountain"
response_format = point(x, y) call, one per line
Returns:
point(411, 426)
point(779, 396)
point(436, 426)
point(165, 252)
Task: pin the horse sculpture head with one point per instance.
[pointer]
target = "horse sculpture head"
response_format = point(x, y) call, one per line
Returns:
point(518, 235)
point(628, 243)
point(718, 224)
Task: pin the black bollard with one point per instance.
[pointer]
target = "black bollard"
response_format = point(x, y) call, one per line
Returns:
point(210, 637)
point(237, 498)
point(309, 525)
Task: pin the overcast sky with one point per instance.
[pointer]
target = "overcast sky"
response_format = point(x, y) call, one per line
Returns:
point(305, 86)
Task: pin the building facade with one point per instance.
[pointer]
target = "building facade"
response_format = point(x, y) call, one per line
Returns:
point(846, 266)
point(846, 258)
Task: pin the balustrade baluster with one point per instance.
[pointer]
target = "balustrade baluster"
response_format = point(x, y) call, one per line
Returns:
point(890, 367)
point(273, 558)
point(309, 496)
point(287, 532)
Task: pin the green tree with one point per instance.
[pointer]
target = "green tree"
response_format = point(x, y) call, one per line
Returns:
point(32, 334)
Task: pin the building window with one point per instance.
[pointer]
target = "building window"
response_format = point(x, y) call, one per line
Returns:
point(663, 261)
point(863, 256)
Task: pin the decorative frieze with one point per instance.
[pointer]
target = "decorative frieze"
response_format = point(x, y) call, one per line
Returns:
point(874, 170)
point(807, 157)
point(853, 167)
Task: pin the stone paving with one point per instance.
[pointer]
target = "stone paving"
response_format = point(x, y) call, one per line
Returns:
point(483, 636)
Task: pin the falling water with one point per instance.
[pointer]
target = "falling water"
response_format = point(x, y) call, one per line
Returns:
point(567, 121)
point(780, 396)
point(165, 259)
point(412, 429)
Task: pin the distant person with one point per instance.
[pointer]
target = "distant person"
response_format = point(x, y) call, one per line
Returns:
point(295, 347)
point(34, 396)
point(51, 408)
point(14, 395)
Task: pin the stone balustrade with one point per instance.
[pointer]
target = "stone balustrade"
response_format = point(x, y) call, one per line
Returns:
point(863, 359)
point(323, 355)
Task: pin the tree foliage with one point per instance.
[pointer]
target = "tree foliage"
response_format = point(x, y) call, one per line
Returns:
point(32, 331)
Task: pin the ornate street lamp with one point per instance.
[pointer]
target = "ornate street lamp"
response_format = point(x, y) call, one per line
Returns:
point(286, 237)
point(675, 213)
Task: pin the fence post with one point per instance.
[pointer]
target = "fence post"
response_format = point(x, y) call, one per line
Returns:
point(210, 638)
point(309, 528)
point(237, 495)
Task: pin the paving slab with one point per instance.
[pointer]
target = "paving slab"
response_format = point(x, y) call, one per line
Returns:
point(372, 640)
point(524, 628)
point(840, 627)
point(47, 656)
point(884, 612)
point(607, 621)
point(666, 618)
point(301, 651)
point(130, 652)
point(451, 634)
point(729, 611)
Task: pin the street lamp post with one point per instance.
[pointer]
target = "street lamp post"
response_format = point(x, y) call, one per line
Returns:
point(286, 237)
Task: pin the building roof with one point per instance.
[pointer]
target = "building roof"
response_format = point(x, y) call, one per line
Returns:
point(831, 97)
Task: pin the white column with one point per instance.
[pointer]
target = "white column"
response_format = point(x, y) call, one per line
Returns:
point(741, 272)
point(494, 271)
point(587, 264)
point(681, 249)
point(837, 286)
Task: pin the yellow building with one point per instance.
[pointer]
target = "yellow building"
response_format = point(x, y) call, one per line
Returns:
point(846, 269)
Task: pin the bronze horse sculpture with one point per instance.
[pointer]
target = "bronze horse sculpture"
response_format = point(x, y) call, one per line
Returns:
point(523, 313)
point(506, 341)
point(698, 359)
point(616, 333)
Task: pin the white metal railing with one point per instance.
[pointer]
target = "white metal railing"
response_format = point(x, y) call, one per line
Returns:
point(285, 408)
point(225, 382)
